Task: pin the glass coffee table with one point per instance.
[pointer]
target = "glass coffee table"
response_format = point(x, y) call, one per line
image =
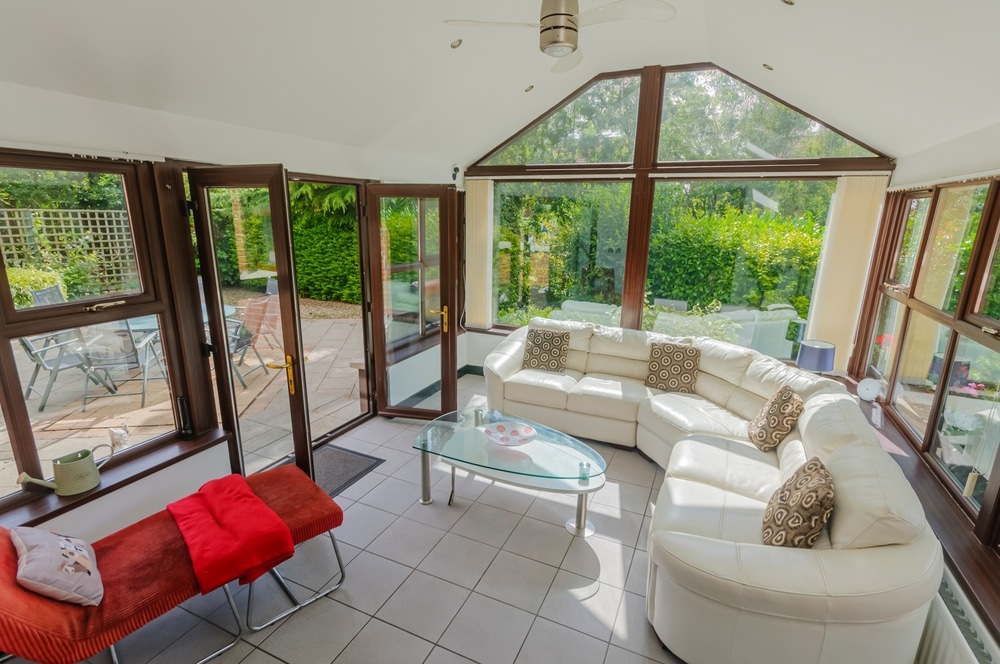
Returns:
point(512, 450)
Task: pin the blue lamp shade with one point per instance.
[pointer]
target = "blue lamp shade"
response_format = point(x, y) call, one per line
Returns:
point(816, 355)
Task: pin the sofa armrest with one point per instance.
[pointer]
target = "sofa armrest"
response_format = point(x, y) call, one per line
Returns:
point(826, 585)
point(503, 362)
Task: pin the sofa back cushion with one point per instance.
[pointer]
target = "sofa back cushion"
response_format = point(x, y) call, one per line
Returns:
point(831, 420)
point(579, 339)
point(721, 367)
point(875, 505)
point(618, 352)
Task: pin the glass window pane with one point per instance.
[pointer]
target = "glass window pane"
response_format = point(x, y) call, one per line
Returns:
point(885, 338)
point(968, 430)
point(920, 367)
point(596, 126)
point(81, 383)
point(916, 220)
point(66, 236)
point(410, 274)
point(952, 234)
point(710, 116)
point(736, 260)
point(559, 250)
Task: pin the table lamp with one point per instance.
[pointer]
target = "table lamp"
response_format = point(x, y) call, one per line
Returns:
point(816, 356)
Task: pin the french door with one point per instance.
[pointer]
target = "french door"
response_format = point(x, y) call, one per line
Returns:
point(414, 257)
point(244, 249)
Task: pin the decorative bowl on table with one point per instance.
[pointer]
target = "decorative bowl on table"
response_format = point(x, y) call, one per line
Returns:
point(510, 433)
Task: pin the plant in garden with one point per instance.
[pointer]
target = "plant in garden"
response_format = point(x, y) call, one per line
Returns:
point(23, 280)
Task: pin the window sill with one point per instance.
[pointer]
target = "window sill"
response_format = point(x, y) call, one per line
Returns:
point(44, 505)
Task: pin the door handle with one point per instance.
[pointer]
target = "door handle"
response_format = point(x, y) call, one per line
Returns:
point(289, 372)
point(443, 312)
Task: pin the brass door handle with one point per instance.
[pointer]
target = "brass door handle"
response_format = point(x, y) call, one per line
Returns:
point(443, 312)
point(289, 372)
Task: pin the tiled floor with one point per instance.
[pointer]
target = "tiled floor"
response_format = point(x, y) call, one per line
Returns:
point(494, 578)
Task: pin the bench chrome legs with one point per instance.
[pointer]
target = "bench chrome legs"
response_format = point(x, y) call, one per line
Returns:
point(296, 604)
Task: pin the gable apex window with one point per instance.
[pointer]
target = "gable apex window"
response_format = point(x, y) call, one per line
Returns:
point(709, 115)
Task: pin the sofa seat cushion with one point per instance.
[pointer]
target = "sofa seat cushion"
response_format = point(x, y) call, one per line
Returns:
point(676, 415)
point(694, 508)
point(543, 388)
point(735, 466)
point(608, 396)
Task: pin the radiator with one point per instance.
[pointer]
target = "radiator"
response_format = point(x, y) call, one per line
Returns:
point(954, 634)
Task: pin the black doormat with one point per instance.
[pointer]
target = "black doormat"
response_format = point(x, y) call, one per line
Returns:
point(337, 468)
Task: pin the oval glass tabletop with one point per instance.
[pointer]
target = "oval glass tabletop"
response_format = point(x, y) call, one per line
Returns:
point(496, 440)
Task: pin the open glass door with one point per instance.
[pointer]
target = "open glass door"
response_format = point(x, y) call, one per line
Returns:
point(413, 240)
point(244, 250)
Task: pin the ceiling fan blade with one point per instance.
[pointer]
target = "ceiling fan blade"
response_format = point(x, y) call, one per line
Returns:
point(623, 10)
point(568, 62)
point(491, 24)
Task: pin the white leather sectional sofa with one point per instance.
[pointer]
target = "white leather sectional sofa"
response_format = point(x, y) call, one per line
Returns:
point(715, 592)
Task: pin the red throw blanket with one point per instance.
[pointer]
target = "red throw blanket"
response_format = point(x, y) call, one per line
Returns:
point(230, 533)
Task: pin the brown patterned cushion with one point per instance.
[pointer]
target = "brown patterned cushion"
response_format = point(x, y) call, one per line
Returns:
point(776, 419)
point(673, 367)
point(546, 350)
point(799, 509)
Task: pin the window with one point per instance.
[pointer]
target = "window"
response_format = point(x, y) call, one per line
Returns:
point(559, 250)
point(952, 235)
point(410, 237)
point(939, 367)
point(735, 260)
point(76, 259)
point(597, 126)
point(710, 116)
point(596, 204)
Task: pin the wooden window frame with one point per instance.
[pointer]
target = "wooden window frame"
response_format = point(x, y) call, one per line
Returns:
point(154, 201)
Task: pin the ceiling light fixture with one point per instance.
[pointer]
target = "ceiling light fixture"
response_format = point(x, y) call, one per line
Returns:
point(558, 31)
point(788, 2)
point(768, 67)
point(529, 88)
point(456, 43)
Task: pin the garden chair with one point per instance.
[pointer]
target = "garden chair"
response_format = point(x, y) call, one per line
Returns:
point(242, 340)
point(58, 352)
point(122, 348)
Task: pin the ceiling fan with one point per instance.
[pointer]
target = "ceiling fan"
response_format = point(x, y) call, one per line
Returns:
point(561, 20)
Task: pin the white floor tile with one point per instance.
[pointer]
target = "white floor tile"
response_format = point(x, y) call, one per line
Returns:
point(459, 560)
point(629, 497)
point(371, 580)
point(634, 633)
point(385, 644)
point(510, 498)
point(362, 524)
point(391, 495)
point(486, 524)
point(600, 559)
point(316, 635)
point(424, 605)
point(582, 604)
point(544, 542)
point(441, 656)
point(487, 631)
point(552, 643)
point(638, 573)
point(517, 580)
point(406, 541)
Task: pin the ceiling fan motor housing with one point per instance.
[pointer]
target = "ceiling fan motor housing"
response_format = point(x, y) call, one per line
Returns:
point(558, 27)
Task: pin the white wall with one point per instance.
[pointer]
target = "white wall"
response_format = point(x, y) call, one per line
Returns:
point(975, 154)
point(479, 346)
point(138, 500)
point(40, 119)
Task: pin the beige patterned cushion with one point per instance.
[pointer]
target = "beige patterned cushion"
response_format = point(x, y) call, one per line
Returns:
point(798, 511)
point(776, 419)
point(673, 367)
point(546, 350)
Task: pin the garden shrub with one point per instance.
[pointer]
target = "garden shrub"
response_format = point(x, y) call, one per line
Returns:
point(23, 280)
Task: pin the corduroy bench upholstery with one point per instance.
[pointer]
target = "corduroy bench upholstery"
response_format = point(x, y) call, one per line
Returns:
point(146, 572)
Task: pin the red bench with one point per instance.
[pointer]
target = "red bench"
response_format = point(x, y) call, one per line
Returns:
point(146, 572)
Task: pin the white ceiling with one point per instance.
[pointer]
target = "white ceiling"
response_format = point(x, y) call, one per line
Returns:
point(379, 75)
